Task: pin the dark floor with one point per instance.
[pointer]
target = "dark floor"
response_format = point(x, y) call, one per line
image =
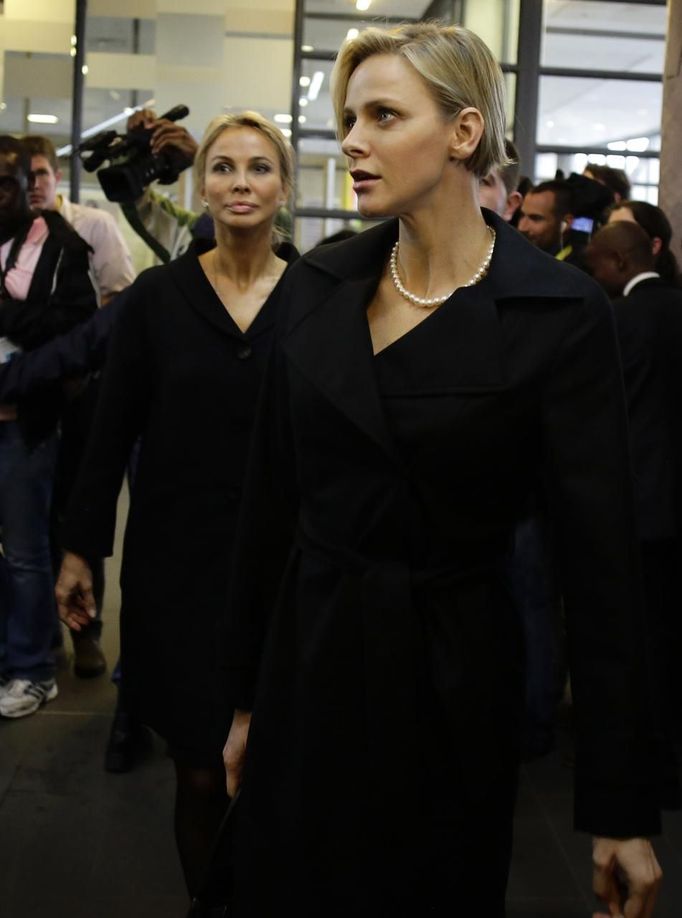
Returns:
point(76, 842)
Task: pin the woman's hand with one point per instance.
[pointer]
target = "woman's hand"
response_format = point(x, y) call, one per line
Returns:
point(75, 600)
point(234, 752)
point(626, 876)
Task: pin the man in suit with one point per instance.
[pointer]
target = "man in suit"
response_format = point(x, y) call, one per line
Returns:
point(648, 315)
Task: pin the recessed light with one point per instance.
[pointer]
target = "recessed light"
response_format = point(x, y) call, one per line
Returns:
point(42, 119)
point(304, 81)
point(351, 34)
point(362, 5)
point(283, 119)
point(303, 101)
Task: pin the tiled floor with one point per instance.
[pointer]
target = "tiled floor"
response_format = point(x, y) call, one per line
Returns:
point(76, 842)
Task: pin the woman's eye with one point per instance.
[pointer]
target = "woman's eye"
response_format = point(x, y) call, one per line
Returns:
point(262, 168)
point(348, 122)
point(222, 167)
point(385, 114)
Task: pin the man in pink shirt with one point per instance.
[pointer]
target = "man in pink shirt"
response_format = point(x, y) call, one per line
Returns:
point(45, 290)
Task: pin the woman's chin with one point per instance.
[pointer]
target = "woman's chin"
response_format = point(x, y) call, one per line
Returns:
point(373, 209)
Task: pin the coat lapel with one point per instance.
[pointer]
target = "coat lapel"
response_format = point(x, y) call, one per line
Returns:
point(328, 337)
point(332, 348)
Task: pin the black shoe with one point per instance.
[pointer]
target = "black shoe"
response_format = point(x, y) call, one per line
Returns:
point(89, 660)
point(119, 756)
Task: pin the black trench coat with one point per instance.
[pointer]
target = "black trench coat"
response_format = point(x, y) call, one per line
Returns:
point(183, 377)
point(370, 629)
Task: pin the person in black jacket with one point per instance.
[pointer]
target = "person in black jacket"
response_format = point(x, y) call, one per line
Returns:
point(45, 289)
point(183, 372)
point(427, 375)
point(648, 312)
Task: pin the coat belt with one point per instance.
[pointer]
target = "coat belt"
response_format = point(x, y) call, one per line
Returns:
point(392, 639)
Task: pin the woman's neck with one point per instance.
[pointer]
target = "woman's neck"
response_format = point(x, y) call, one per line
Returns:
point(441, 246)
point(244, 257)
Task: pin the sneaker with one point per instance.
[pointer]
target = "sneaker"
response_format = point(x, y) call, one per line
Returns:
point(23, 697)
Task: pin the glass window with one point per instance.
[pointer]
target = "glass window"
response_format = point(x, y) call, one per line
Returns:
point(580, 111)
point(120, 35)
point(603, 35)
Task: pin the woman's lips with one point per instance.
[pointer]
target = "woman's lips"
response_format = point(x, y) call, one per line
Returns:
point(241, 207)
point(363, 181)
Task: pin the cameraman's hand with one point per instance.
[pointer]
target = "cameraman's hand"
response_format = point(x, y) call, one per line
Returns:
point(165, 134)
point(169, 134)
point(144, 118)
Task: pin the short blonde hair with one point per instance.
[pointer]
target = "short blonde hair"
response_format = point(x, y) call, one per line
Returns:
point(458, 68)
point(221, 123)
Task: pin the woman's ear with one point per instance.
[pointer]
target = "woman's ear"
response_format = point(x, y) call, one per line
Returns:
point(465, 134)
point(656, 245)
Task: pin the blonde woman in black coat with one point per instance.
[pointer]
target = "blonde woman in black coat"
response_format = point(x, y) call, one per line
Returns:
point(427, 375)
point(183, 373)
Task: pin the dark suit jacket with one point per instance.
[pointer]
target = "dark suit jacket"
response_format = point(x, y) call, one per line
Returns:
point(183, 377)
point(649, 323)
point(363, 575)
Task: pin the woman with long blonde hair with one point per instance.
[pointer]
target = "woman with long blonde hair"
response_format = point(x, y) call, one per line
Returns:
point(183, 374)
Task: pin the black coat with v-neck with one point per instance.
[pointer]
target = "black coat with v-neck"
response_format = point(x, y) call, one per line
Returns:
point(369, 628)
point(180, 374)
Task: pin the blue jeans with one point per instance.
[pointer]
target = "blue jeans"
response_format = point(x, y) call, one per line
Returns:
point(28, 613)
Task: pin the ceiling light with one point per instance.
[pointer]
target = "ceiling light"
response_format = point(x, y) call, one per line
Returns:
point(307, 48)
point(315, 85)
point(74, 41)
point(84, 69)
point(301, 119)
point(303, 101)
point(42, 119)
point(617, 145)
point(550, 123)
point(304, 81)
point(362, 5)
point(638, 144)
point(72, 52)
point(3, 106)
point(286, 132)
point(283, 119)
point(352, 33)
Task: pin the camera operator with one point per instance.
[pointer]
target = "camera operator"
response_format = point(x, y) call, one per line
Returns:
point(171, 226)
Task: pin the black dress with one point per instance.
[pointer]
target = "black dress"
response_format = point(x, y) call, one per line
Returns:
point(181, 375)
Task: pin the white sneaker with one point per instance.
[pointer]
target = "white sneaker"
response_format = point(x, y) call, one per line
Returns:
point(23, 697)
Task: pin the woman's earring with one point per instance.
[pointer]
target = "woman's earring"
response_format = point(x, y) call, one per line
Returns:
point(204, 203)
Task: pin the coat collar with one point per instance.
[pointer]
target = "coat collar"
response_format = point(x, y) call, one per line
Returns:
point(328, 336)
point(517, 269)
point(197, 290)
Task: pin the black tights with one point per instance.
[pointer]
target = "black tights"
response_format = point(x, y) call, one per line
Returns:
point(200, 804)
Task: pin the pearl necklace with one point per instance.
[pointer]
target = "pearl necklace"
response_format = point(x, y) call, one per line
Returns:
point(429, 302)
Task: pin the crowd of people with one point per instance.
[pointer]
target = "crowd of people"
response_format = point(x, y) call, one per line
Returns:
point(383, 496)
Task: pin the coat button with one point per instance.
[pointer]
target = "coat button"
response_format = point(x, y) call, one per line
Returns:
point(244, 352)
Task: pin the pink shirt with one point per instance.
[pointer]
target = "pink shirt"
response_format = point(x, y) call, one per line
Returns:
point(17, 282)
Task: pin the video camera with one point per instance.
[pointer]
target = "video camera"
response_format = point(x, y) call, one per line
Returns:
point(133, 166)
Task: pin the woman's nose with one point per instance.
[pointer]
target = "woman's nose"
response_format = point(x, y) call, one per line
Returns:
point(353, 144)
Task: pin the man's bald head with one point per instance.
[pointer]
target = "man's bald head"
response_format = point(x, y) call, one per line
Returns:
point(617, 253)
